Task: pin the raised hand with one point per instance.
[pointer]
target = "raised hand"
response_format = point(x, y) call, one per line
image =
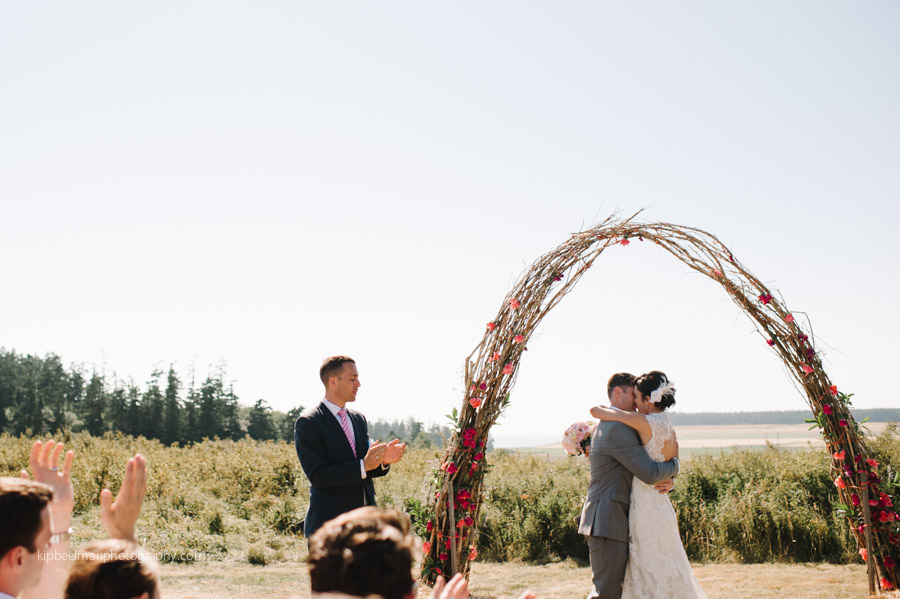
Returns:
point(44, 463)
point(395, 451)
point(457, 588)
point(119, 517)
point(374, 456)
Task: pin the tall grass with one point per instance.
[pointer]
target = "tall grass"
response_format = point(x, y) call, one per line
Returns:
point(243, 500)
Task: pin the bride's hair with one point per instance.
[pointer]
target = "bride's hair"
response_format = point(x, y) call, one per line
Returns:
point(657, 380)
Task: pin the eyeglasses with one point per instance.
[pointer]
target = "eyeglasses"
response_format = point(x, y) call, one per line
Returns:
point(55, 539)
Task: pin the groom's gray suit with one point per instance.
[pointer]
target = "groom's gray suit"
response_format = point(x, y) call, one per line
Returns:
point(616, 458)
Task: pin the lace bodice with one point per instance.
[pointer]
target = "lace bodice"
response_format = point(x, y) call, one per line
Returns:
point(662, 432)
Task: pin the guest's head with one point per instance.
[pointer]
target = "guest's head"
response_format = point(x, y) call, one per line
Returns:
point(113, 569)
point(362, 552)
point(341, 379)
point(342, 596)
point(654, 392)
point(25, 533)
point(620, 390)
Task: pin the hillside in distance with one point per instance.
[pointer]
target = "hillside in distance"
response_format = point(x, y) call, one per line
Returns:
point(782, 417)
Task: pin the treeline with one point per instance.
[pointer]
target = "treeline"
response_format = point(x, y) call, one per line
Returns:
point(38, 395)
point(783, 417)
point(410, 431)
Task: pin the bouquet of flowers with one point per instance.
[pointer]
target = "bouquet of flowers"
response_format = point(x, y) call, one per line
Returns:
point(577, 438)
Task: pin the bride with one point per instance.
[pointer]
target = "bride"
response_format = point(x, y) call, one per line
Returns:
point(657, 563)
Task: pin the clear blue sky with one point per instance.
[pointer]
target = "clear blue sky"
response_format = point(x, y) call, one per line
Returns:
point(271, 184)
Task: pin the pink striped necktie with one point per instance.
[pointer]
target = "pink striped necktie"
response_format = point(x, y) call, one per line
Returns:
point(348, 430)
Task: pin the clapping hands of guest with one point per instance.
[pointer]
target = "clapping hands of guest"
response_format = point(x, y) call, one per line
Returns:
point(119, 516)
point(44, 463)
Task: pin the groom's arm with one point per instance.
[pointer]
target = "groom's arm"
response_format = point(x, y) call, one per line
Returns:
point(625, 448)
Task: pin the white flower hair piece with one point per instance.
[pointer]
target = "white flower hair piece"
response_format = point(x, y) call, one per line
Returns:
point(664, 387)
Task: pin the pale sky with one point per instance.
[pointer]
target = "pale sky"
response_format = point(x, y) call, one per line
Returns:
point(272, 184)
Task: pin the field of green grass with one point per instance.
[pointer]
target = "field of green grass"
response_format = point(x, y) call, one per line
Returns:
point(242, 501)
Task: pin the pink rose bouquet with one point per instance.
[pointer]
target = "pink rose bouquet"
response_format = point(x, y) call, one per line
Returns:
point(577, 438)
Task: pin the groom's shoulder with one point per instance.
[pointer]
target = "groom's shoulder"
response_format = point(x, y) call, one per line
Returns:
point(616, 432)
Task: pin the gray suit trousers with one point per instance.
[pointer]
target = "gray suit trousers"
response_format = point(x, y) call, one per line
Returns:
point(608, 559)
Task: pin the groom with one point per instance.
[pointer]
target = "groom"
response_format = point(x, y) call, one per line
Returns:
point(616, 457)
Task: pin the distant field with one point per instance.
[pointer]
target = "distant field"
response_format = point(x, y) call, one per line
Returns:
point(706, 439)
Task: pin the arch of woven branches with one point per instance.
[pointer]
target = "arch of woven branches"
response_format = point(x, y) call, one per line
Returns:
point(492, 367)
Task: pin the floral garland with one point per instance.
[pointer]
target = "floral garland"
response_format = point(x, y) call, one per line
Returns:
point(491, 370)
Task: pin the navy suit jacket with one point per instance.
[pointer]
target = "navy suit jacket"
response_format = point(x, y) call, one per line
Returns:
point(335, 481)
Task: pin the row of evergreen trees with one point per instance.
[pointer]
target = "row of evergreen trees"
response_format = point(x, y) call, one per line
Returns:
point(39, 395)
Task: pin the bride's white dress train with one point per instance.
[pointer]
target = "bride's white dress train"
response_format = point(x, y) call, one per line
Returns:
point(657, 563)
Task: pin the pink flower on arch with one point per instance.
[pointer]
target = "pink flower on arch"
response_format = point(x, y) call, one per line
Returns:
point(508, 368)
point(491, 326)
point(716, 272)
point(771, 342)
point(482, 386)
point(833, 389)
point(518, 338)
point(625, 242)
point(789, 318)
point(807, 369)
point(842, 422)
point(495, 357)
point(475, 402)
point(872, 463)
point(839, 483)
point(765, 298)
point(839, 455)
point(514, 304)
point(426, 547)
point(827, 409)
point(451, 468)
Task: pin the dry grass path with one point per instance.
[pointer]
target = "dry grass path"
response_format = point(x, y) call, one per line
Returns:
point(553, 581)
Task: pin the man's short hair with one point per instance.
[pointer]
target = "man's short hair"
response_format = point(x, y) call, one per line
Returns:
point(332, 367)
point(112, 569)
point(21, 504)
point(619, 379)
point(362, 552)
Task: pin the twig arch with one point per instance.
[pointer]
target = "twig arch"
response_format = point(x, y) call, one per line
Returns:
point(492, 367)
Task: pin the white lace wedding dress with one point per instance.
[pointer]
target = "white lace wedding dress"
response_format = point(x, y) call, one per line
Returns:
point(657, 563)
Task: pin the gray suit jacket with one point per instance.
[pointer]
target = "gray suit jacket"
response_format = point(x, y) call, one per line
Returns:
point(616, 458)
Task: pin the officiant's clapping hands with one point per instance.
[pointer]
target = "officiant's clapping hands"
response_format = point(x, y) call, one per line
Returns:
point(394, 453)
